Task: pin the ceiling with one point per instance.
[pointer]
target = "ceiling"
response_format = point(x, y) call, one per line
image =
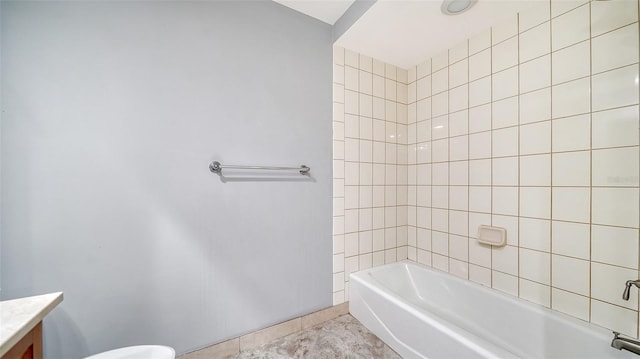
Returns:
point(407, 32)
point(328, 11)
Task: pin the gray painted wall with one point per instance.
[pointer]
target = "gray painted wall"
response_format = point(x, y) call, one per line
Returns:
point(111, 113)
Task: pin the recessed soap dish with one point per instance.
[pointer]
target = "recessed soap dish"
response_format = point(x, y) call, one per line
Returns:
point(494, 236)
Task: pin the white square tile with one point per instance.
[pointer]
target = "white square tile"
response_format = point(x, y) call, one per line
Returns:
point(505, 259)
point(338, 207)
point(571, 204)
point(338, 151)
point(570, 274)
point(615, 206)
point(402, 76)
point(536, 15)
point(366, 82)
point(338, 93)
point(571, 98)
point(390, 175)
point(378, 67)
point(458, 148)
point(480, 172)
point(505, 171)
point(351, 197)
point(458, 223)
point(338, 281)
point(440, 174)
point(480, 145)
point(504, 282)
point(366, 128)
point(480, 91)
point(480, 118)
point(505, 55)
point(615, 167)
point(535, 234)
point(365, 196)
point(423, 109)
point(571, 133)
point(350, 244)
point(570, 303)
point(615, 88)
point(616, 127)
point(535, 74)
point(338, 55)
point(423, 69)
point(424, 152)
point(459, 173)
point(423, 129)
point(480, 42)
point(338, 188)
point(535, 266)
point(424, 87)
point(440, 104)
point(390, 71)
point(535, 292)
point(366, 63)
point(351, 104)
point(351, 149)
point(440, 150)
point(623, 320)
point(440, 222)
point(440, 61)
point(402, 93)
point(535, 106)
point(351, 126)
point(572, 169)
point(480, 65)
point(390, 89)
point(510, 224)
point(459, 52)
point(479, 254)
point(480, 199)
point(351, 58)
point(351, 78)
point(571, 63)
point(338, 111)
point(570, 28)
point(606, 16)
point(615, 245)
point(379, 149)
point(412, 92)
point(424, 239)
point(350, 220)
point(459, 73)
point(535, 138)
point(480, 275)
point(505, 84)
point(459, 123)
point(366, 174)
point(366, 151)
point(605, 284)
point(378, 240)
point(389, 222)
point(338, 74)
point(440, 196)
point(505, 200)
point(535, 202)
point(440, 80)
point(390, 137)
point(571, 239)
point(459, 98)
point(505, 142)
point(378, 86)
point(440, 262)
point(459, 266)
point(615, 49)
point(505, 113)
point(378, 108)
point(459, 198)
point(535, 42)
point(504, 30)
point(535, 170)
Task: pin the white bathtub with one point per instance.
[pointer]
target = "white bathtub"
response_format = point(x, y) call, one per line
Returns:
point(424, 313)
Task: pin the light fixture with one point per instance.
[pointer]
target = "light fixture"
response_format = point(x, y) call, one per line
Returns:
point(455, 7)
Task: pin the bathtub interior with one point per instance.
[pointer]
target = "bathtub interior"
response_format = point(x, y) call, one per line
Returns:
point(520, 327)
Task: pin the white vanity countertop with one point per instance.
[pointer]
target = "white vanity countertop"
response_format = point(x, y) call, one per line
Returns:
point(19, 316)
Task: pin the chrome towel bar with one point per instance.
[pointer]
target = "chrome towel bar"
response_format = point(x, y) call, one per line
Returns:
point(216, 167)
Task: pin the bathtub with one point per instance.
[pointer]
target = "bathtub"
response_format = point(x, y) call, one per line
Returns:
point(424, 313)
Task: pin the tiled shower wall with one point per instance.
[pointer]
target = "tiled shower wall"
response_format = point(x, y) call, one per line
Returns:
point(531, 126)
point(369, 166)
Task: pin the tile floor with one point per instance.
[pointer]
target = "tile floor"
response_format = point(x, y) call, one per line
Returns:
point(340, 338)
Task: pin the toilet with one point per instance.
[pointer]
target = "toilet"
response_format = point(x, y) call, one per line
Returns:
point(138, 352)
